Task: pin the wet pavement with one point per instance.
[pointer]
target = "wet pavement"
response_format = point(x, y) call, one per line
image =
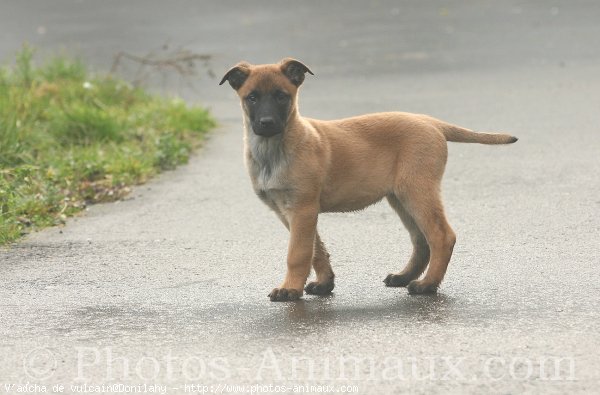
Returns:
point(170, 287)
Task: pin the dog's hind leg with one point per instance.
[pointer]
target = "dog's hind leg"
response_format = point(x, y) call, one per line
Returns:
point(428, 213)
point(320, 262)
point(420, 255)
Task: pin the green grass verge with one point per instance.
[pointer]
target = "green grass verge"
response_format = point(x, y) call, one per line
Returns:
point(69, 138)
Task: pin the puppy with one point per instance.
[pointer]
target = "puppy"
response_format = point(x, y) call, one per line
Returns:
point(301, 167)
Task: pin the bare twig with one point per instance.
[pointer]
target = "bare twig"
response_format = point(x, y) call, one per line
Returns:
point(182, 62)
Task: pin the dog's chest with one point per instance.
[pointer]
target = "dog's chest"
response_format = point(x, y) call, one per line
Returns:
point(268, 165)
point(268, 176)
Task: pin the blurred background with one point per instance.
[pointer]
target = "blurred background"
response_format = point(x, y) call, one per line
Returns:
point(185, 264)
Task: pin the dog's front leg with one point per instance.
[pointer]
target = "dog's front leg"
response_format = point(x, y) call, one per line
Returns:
point(303, 225)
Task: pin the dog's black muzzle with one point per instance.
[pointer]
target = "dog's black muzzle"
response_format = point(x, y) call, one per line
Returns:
point(266, 127)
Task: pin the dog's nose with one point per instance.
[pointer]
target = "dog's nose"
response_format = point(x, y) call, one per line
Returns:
point(266, 121)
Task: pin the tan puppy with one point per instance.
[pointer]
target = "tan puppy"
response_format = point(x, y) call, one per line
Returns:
point(301, 167)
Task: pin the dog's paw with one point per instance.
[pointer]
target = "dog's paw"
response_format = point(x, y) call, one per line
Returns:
point(417, 287)
point(396, 280)
point(284, 295)
point(316, 288)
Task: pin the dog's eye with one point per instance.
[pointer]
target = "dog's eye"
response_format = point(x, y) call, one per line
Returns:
point(281, 96)
point(252, 98)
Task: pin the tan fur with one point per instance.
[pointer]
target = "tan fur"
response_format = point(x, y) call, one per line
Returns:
point(317, 166)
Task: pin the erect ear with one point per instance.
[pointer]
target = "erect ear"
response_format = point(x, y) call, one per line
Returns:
point(294, 70)
point(237, 75)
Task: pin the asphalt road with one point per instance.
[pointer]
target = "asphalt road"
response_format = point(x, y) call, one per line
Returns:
point(170, 287)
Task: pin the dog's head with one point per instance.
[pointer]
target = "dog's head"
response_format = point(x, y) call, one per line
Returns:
point(268, 93)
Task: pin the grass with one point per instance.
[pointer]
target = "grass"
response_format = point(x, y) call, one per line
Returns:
point(69, 138)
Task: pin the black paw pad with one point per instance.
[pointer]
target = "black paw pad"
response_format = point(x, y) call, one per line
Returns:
point(284, 295)
point(315, 288)
point(420, 288)
point(396, 280)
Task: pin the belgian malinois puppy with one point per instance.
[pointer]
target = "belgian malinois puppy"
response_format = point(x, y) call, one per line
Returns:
point(301, 167)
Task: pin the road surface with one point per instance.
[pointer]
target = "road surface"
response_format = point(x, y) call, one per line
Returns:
point(169, 287)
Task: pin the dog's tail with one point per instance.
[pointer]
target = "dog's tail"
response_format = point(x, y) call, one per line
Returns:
point(462, 135)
